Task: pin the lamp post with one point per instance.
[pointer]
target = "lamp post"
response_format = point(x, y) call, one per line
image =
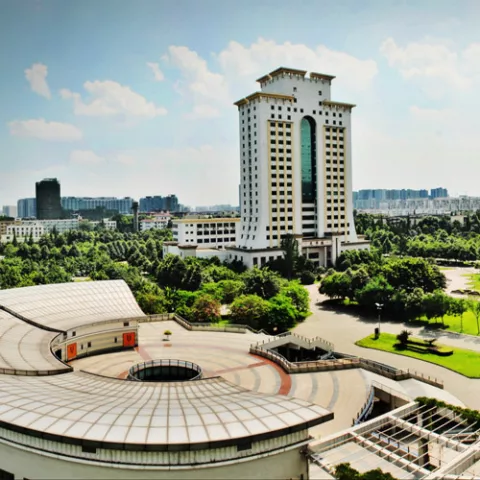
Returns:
point(379, 308)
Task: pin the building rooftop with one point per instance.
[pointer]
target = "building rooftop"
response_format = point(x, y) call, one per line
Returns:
point(25, 349)
point(112, 413)
point(81, 408)
point(69, 305)
point(281, 71)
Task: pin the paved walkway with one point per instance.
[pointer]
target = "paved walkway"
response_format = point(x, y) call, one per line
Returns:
point(345, 329)
point(456, 279)
point(226, 354)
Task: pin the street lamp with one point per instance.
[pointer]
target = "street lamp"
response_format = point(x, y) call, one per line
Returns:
point(379, 308)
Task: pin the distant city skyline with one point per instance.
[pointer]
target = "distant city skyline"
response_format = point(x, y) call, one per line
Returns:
point(134, 107)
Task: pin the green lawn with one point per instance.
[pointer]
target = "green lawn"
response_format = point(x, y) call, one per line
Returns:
point(474, 281)
point(453, 323)
point(466, 362)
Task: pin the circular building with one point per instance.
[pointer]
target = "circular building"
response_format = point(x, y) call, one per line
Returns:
point(57, 422)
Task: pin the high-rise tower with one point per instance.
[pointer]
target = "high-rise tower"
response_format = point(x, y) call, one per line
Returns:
point(296, 169)
point(49, 206)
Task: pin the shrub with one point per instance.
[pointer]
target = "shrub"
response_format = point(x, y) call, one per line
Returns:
point(307, 278)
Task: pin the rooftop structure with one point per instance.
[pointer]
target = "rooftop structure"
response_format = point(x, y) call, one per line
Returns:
point(56, 419)
point(417, 440)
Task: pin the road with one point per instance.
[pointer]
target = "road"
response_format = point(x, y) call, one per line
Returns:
point(345, 329)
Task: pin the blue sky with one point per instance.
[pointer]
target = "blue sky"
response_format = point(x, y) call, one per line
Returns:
point(131, 98)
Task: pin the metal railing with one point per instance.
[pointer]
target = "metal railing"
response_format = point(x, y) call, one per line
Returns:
point(309, 343)
point(367, 408)
point(344, 362)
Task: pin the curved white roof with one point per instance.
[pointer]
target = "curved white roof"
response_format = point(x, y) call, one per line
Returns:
point(78, 407)
point(81, 407)
point(69, 305)
point(25, 349)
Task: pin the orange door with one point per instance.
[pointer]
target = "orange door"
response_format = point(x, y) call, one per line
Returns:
point(71, 351)
point(129, 339)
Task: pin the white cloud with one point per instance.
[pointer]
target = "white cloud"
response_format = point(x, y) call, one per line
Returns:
point(203, 111)
point(37, 77)
point(265, 55)
point(239, 66)
point(85, 157)
point(109, 98)
point(123, 159)
point(183, 171)
point(433, 117)
point(433, 61)
point(158, 74)
point(198, 80)
point(39, 128)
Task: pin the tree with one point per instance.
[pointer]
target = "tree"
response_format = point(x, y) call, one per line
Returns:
point(474, 307)
point(206, 308)
point(298, 295)
point(249, 310)
point(411, 273)
point(262, 282)
point(230, 289)
point(281, 316)
point(336, 285)
point(377, 290)
point(289, 245)
point(344, 471)
point(436, 305)
point(151, 303)
point(458, 306)
point(307, 277)
point(172, 271)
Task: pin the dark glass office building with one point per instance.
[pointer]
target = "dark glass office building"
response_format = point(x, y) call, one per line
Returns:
point(47, 193)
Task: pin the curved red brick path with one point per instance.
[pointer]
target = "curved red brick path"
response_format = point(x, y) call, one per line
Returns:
point(285, 380)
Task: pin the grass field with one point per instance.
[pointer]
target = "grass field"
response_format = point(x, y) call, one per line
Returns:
point(466, 362)
point(473, 281)
point(454, 323)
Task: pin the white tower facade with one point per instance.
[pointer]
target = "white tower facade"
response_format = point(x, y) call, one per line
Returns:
point(296, 169)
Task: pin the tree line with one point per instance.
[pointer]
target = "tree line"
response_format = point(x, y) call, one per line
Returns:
point(429, 237)
point(195, 288)
point(406, 288)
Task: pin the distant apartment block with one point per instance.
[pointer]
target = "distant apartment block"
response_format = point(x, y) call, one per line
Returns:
point(372, 198)
point(74, 204)
point(158, 203)
point(10, 211)
point(158, 221)
point(218, 208)
point(47, 193)
point(27, 208)
point(105, 223)
point(438, 193)
point(23, 229)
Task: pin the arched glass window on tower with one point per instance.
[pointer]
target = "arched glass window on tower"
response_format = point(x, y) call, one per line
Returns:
point(309, 155)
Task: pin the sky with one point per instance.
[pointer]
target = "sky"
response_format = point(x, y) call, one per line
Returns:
point(135, 98)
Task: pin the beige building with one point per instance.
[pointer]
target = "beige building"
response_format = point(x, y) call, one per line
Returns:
point(57, 422)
